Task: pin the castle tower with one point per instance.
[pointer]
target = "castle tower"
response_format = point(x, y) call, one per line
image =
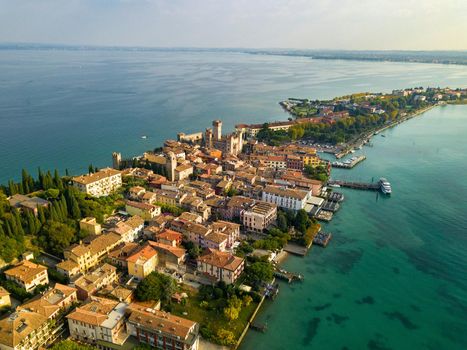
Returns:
point(116, 160)
point(208, 138)
point(171, 165)
point(217, 130)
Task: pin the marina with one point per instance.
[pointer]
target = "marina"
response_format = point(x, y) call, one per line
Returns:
point(350, 163)
point(382, 185)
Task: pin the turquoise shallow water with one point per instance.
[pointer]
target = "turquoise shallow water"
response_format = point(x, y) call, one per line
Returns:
point(395, 274)
point(67, 108)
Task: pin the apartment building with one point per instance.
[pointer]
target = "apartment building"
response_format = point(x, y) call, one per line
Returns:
point(221, 266)
point(98, 184)
point(142, 262)
point(28, 275)
point(145, 210)
point(287, 198)
point(100, 319)
point(25, 330)
point(91, 282)
point(259, 216)
point(162, 330)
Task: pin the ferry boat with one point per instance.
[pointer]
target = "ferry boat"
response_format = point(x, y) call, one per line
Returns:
point(385, 186)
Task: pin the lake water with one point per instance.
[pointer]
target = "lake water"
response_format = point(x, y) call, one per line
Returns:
point(67, 108)
point(394, 275)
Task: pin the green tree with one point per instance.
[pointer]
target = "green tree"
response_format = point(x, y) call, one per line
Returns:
point(282, 222)
point(259, 272)
point(55, 236)
point(302, 221)
point(156, 286)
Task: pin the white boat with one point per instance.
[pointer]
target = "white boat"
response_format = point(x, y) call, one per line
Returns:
point(335, 185)
point(385, 186)
point(144, 137)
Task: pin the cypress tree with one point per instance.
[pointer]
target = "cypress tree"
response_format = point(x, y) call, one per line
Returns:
point(25, 181)
point(12, 189)
point(90, 169)
point(19, 226)
point(40, 178)
point(41, 215)
point(75, 211)
point(57, 180)
point(63, 207)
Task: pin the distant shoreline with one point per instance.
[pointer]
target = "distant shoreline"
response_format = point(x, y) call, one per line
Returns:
point(445, 57)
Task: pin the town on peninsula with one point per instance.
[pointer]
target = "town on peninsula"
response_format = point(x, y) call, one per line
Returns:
point(178, 248)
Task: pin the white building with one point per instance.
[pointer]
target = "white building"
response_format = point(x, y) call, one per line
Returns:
point(287, 198)
point(99, 184)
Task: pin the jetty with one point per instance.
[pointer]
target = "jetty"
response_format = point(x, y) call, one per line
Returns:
point(287, 275)
point(373, 186)
point(322, 239)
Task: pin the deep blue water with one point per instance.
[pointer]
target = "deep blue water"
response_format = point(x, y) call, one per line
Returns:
point(67, 108)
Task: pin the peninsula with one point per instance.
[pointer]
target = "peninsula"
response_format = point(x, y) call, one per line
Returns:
point(182, 244)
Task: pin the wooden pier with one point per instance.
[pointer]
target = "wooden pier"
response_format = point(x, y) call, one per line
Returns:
point(287, 276)
point(374, 186)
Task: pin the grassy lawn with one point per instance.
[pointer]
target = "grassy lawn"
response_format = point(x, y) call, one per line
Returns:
point(211, 317)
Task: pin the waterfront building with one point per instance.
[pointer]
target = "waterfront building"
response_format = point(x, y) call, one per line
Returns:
point(287, 198)
point(221, 266)
point(259, 216)
point(28, 275)
point(100, 183)
point(162, 330)
point(100, 319)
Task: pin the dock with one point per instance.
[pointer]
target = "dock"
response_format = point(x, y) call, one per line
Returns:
point(287, 275)
point(373, 186)
point(295, 249)
point(322, 239)
point(330, 206)
point(324, 215)
point(349, 164)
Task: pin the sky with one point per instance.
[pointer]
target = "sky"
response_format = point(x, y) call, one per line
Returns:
point(303, 24)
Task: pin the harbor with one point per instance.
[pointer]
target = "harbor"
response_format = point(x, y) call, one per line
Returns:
point(350, 163)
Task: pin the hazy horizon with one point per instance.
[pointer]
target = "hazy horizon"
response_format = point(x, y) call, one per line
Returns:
point(364, 25)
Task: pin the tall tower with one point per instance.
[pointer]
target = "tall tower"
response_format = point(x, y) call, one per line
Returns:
point(208, 138)
point(217, 130)
point(171, 165)
point(116, 160)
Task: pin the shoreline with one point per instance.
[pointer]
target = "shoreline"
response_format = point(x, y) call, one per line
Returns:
point(360, 141)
